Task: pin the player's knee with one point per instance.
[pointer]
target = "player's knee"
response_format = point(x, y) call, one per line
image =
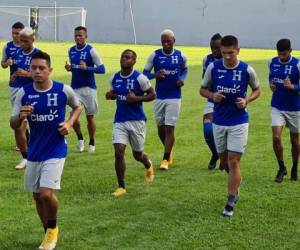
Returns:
point(119, 154)
point(276, 139)
point(137, 155)
point(45, 195)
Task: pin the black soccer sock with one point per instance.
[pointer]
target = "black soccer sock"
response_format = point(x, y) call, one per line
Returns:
point(166, 156)
point(51, 224)
point(121, 183)
point(295, 165)
point(281, 164)
point(230, 200)
point(80, 136)
point(92, 142)
point(24, 155)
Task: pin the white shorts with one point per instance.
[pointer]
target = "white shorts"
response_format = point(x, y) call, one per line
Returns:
point(43, 174)
point(89, 99)
point(290, 119)
point(167, 111)
point(209, 108)
point(133, 132)
point(231, 138)
point(13, 94)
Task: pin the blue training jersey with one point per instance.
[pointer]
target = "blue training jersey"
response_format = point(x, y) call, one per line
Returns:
point(232, 83)
point(8, 52)
point(45, 141)
point(84, 78)
point(121, 85)
point(283, 98)
point(206, 61)
point(22, 60)
point(175, 67)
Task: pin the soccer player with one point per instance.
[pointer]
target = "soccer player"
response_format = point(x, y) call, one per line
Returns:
point(19, 78)
point(215, 45)
point(285, 104)
point(84, 63)
point(170, 71)
point(130, 88)
point(225, 82)
point(43, 104)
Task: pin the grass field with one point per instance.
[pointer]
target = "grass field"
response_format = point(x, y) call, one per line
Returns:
point(182, 208)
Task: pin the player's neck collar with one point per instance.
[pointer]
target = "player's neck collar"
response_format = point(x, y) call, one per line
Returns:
point(237, 64)
point(162, 51)
point(28, 52)
point(15, 44)
point(43, 90)
point(288, 61)
point(79, 48)
point(127, 75)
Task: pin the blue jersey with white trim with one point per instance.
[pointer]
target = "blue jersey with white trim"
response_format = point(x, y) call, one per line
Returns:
point(206, 61)
point(232, 83)
point(8, 52)
point(283, 98)
point(121, 85)
point(22, 60)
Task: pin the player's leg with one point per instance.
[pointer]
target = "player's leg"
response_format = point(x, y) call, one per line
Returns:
point(21, 141)
point(76, 125)
point(91, 126)
point(295, 155)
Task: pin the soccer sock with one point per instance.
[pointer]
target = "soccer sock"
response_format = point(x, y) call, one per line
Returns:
point(121, 183)
point(209, 138)
point(80, 136)
point(51, 224)
point(281, 164)
point(295, 165)
point(92, 142)
point(166, 156)
point(230, 200)
point(24, 155)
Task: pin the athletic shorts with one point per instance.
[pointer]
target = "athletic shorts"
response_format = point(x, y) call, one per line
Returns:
point(133, 132)
point(290, 119)
point(89, 99)
point(43, 174)
point(209, 108)
point(13, 94)
point(167, 111)
point(231, 138)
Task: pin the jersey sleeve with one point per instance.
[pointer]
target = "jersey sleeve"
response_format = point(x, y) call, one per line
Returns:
point(207, 79)
point(269, 66)
point(149, 64)
point(4, 55)
point(144, 82)
point(253, 80)
point(72, 100)
point(96, 57)
point(18, 102)
point(110, 82)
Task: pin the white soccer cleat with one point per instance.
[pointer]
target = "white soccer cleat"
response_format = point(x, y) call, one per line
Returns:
point(228, 211)
point(80, 146)
point(21, 165)
point(91, 149)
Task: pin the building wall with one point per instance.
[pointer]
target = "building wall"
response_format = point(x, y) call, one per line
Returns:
point(257, 23)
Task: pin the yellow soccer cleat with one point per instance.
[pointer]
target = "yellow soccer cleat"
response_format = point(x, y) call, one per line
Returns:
point(164, 165)
point(150, 173)
point(50, 239)
point(119, 192)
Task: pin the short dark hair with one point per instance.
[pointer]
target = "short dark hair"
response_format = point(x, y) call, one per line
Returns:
point(18, 25)
point(229, 41)
point(42, 55)
point(216, 37)
point(132, 51)
point(284, 44)
point(80, 28)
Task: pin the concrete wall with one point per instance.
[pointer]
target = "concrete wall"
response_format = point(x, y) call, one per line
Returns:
point(257, 23)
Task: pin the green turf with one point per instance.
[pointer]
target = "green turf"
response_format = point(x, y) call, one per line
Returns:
point(181, 208)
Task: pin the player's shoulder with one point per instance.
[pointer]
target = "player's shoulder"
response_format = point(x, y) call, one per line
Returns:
point(294, 60)
point(59, 85)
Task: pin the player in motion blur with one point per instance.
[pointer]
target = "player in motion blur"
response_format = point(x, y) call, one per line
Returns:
point(225, 82)
point(130, 89)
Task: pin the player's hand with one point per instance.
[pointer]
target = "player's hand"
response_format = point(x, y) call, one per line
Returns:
point(110, 95)
point(131, 97)
point(13, 77)
point(25, 111)
point(241, 102)
point(67, 66)
point(273, 87)
point(160, 74)
point(64, 128)
point(82, 65)
point(9, 61)
point(180, 83)
point(287, 83)
point(218, 97)
point(22, 73)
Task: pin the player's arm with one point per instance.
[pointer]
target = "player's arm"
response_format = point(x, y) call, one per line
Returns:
point(145, 85)
point(19, 113)
point(255, 93)
point(111, 95)
point(271, 84)
point(205, 89)
point(288, 84)
point(149, 66)
point(5, 61)
point(68, 66)
point(203, 66)
point(99, 69)
point(183, 73)
point(74, 103)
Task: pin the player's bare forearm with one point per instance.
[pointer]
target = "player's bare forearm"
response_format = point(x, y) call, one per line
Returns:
point(74, 115)
point(150, 96)
point(254, 95)
point(15, 122)
point(205, 92)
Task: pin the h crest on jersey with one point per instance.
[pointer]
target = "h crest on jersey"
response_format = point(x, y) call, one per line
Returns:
point(288, 69)
point(130, 84)
point(27, 60)
point(237, 75)
point(83, 55)
point(52, 99)
point(174, 59)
